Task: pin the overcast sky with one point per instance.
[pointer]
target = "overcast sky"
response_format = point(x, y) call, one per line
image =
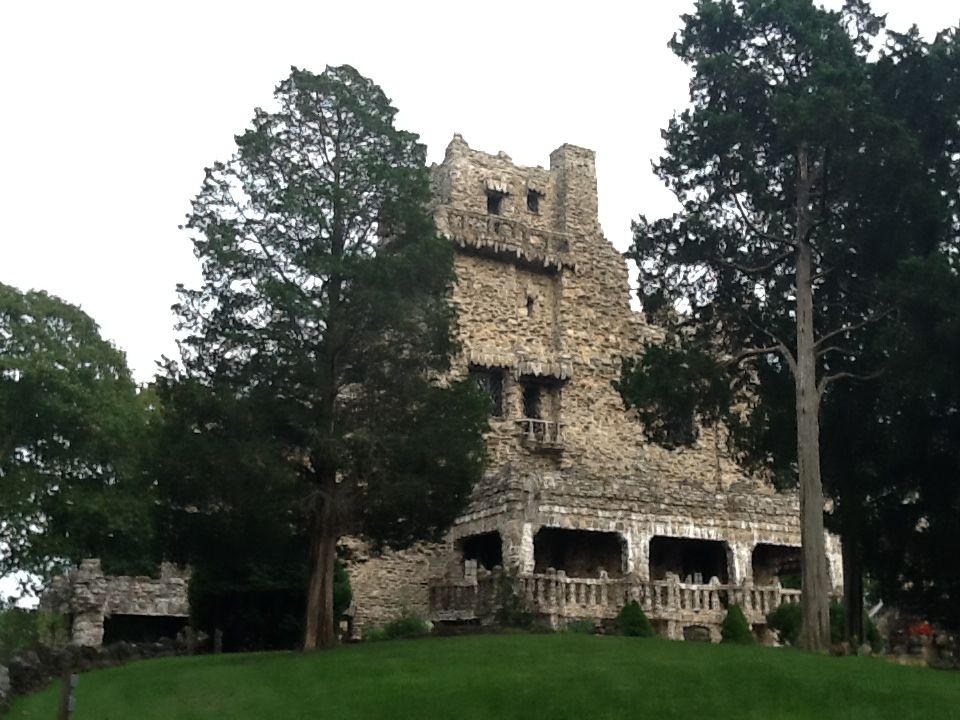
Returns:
point(110, 111)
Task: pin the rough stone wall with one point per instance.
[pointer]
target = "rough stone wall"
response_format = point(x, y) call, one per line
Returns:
point(544, 295)
point(386, 585)
point(90, 597)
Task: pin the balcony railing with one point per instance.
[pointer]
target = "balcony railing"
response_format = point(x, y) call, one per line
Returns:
point(541, 434)
point(555, 595)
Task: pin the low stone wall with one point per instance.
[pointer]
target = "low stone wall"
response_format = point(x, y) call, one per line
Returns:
point(89, 597)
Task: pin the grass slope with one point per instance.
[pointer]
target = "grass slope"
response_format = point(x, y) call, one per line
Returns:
point(511, 676)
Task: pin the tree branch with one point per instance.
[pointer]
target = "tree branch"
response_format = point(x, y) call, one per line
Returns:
point(752, 352)
point(776, 260)
point(780, 345)
point(753, 227)
point(850, 328)
point(827, 379)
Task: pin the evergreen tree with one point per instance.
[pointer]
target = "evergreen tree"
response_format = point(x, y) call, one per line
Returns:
point(324, 315)
point(802, 186)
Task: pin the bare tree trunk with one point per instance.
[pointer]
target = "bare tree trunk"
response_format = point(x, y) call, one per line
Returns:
point(319, 625)
point(815, 627)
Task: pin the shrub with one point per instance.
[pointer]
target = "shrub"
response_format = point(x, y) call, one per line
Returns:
point(633, 622)
point(374, 634)
point(735, 628)
point(786, 621)
point(407, 625)
point(787, 618)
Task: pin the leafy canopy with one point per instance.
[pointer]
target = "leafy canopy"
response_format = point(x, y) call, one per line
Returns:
point(71, 428)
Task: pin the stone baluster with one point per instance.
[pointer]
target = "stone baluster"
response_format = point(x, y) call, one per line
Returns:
point(604, 583)
point(561, 593)
point(551, 587)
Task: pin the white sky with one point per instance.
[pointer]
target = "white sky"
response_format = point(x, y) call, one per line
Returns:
point(110, 111)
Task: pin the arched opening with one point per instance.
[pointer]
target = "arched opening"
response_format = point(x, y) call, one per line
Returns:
point(486, 548)
point(776, 562)
point(694, 561)
point(579, 553)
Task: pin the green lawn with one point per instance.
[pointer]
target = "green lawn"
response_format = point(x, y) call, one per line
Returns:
point(512, 676)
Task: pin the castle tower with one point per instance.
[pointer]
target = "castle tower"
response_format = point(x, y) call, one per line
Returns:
point(575, 503)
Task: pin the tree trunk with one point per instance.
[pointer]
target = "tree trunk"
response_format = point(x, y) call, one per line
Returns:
point(319, 623)
point(815, 627)
point(852, 593)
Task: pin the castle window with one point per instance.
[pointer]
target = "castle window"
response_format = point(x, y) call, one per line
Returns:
point(533, 201)
point(530, 303)
point(531, 401)
point(494, 202)
point(490, 381)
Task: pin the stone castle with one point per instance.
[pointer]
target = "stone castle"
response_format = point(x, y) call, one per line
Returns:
point(576, 510)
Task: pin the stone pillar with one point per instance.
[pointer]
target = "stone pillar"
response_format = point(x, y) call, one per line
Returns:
point(638, 547)
point(740, 561)
point(834, 563)
point(527, 560)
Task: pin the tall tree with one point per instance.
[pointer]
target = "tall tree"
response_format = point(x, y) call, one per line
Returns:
point(324, 311)
point(71, 428)
point(782, 165)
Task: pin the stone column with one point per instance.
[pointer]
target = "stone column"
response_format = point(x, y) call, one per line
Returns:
point(740, 561)
point(638, 547)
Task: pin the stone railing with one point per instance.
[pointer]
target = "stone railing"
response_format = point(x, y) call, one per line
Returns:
point(498, 235)
point(542, 434)
point(558, 597)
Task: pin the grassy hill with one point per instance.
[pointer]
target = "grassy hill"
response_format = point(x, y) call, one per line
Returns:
point(512, 676)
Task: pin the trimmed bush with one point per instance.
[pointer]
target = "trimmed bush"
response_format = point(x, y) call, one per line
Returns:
point(632, 621)
point(735, 628)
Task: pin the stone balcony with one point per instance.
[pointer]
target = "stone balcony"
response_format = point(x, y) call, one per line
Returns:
point(541, 435)
point(496, 235)
point(670, 604)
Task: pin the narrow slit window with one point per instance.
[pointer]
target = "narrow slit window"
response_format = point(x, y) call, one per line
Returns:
point(533, 201)
point(531, 302)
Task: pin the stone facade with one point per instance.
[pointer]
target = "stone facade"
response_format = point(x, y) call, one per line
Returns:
point(90, 598)
point(544, 320)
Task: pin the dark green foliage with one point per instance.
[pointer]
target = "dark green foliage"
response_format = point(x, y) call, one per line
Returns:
point(673, 388)
point(632, 621)
point(785, 620)
point(22, 630)
point(72, 430)
point(735, 628)
point(407, 625)
point(778, 86)
point(323, 319)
